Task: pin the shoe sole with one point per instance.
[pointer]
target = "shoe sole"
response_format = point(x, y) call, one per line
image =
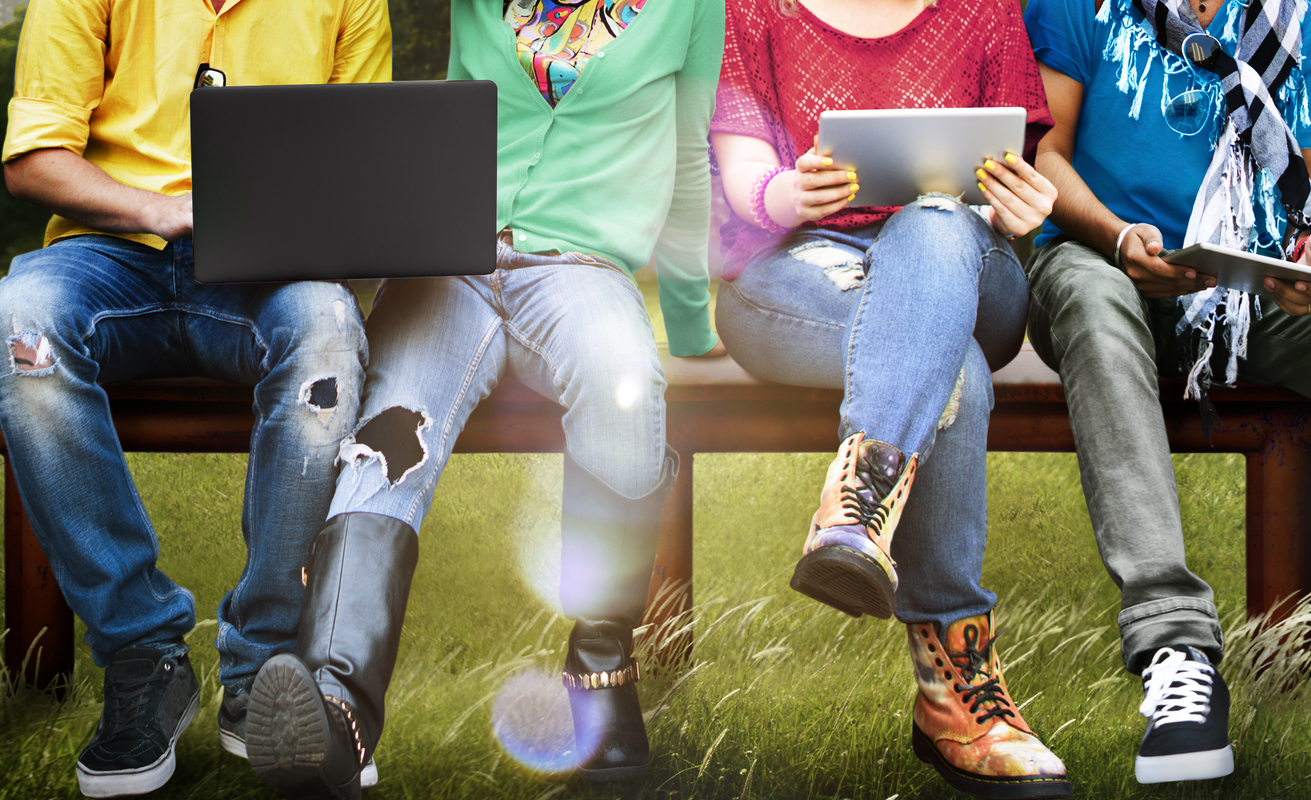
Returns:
point(141, 781)
point(987, 786)
point(847, 580)
point(1199, 766)
point(287, 730)
point(235, 745)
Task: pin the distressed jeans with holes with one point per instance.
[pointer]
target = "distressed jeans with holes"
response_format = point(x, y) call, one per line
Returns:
point(572, 327)
point(943, 303)
point(92, 310)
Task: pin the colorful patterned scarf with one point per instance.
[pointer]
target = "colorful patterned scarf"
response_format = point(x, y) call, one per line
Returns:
point(556, 38)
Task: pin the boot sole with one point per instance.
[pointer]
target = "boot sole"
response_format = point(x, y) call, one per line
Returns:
point(287, 731)
point(986, 786)
point(847, 580)
point(615, 774)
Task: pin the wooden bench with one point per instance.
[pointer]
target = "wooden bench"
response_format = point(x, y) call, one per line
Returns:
point(714, 406)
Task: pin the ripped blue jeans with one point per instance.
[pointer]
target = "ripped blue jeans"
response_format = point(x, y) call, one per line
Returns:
point(572, 327)
point(91, 310)
point(908, 317)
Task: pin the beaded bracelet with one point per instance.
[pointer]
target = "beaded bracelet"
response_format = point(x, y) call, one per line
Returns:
point(758, 213)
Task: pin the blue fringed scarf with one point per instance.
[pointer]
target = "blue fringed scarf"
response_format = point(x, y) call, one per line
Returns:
point(1255, 152)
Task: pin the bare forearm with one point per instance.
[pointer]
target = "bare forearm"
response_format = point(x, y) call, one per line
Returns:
point(1078, 212)
point(66, 184)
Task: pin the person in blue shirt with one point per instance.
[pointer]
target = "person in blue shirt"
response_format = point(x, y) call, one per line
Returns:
point(1175, 123)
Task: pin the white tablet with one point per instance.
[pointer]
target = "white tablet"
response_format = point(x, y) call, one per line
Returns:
point(900, 154)
point(1234, 269)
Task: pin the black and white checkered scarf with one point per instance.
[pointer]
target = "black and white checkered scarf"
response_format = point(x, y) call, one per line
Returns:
point(1255, 136)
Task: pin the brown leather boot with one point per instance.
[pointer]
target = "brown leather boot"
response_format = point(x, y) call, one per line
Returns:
point(847, 561)
point(965, 723)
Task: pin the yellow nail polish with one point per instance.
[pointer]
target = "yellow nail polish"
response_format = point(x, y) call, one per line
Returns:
point(851, 176)
point(855, 187)
point(990, 165)
point(1010, 159)
point(828, 162)
point(850, 198)
point(980, 173)
point(982, 188)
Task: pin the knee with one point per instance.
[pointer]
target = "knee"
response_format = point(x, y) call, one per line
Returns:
point(39, 329)
point(620, 376)
point(941, 221)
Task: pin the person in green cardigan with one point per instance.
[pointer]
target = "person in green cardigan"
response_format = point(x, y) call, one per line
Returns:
point(604, 111)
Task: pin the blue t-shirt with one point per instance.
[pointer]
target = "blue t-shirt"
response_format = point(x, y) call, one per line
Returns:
point(1131, 159)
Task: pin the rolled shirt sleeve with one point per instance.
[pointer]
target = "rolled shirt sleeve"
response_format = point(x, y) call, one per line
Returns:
point(59, 76)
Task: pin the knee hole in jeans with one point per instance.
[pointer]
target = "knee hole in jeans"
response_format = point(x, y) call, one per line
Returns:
point(394, 436)
point(30, 352)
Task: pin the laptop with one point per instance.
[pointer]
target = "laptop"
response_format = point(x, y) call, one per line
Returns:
point(900, 154)
point(341, 181)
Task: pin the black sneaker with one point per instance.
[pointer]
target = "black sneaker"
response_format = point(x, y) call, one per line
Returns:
point(149, 701)
point(1187, 707)
point(232, 720)
point(232, 731)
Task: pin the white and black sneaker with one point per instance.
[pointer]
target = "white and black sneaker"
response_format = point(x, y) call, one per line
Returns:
point(149, 700)
point(232, 731)
point(232, 720)
point(1187, 708)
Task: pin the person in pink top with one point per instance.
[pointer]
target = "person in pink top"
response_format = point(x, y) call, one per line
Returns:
point(908, 311)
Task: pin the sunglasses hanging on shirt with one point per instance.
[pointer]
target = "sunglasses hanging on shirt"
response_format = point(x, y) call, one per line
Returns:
point(208, 76)
point(1191, 112)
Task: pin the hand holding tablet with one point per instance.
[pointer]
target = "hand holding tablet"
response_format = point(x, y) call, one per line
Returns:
point(891, 157)
point(1249, 272)
point(900, 154)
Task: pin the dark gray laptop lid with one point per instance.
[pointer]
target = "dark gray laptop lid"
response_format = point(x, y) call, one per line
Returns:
point(329, 182)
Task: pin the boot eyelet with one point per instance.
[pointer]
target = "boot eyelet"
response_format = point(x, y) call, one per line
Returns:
point(933, 648)
point(939, 661)
point(946, 675)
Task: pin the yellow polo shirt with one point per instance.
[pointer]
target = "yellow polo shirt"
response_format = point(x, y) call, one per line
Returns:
point(111, 80)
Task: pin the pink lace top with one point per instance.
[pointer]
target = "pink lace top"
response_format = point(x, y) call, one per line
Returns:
point(780, 72)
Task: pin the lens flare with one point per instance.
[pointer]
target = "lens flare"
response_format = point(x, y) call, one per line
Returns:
point(627, 391)
point(531, 720)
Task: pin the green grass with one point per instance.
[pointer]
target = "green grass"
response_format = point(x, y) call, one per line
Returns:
point(785, 699)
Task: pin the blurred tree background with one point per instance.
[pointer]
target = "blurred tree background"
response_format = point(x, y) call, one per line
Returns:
point(421, 42)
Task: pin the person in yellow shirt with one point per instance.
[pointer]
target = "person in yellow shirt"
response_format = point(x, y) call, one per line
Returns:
point(99, 135)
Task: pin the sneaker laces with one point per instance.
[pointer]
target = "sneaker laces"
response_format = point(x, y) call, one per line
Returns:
point(126, 706)
point(976, 661)
point(1178, 690)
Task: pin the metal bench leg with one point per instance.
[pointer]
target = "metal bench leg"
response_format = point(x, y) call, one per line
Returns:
point(1279, 514)
point(671, 582)
point(40, 623)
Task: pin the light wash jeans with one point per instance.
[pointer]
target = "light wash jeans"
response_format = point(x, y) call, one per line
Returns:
point(92, 310)
point(1108, 342)
point(943, 299)
point(572, 327)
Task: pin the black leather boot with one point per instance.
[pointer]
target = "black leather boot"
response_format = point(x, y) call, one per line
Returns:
point(609, 546)
point(315, 717)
